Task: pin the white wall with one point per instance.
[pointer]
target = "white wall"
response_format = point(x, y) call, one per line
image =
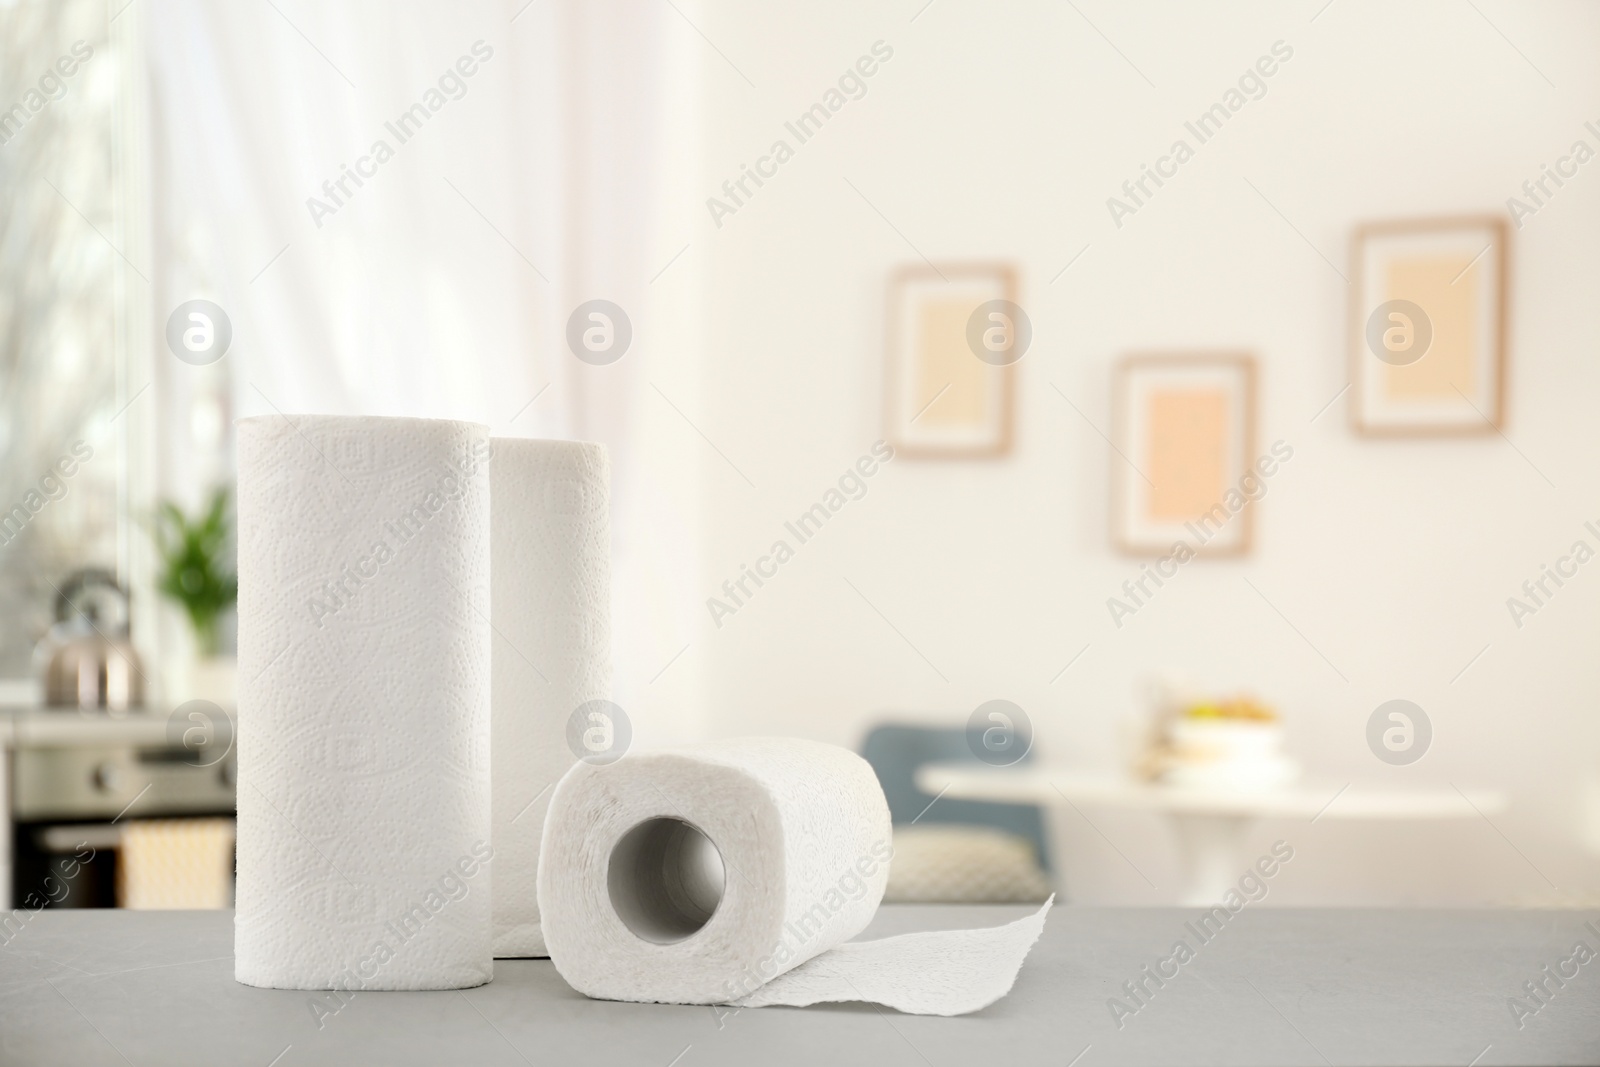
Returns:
point(999, 131)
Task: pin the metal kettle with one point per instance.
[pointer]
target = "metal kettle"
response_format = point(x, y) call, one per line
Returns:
point(88, 660)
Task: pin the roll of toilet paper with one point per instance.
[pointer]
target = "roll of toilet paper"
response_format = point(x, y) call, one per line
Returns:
point(732, 873)
point(363, 790)
point(551, 603)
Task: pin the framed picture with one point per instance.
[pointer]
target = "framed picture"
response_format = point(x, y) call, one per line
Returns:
point(1428, 327)
point(954, 334)
point(1184, 440)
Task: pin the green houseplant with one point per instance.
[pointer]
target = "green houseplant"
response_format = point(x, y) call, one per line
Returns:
point(195, 570)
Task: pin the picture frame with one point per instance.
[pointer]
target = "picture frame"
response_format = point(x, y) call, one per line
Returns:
point(1428, 326)
point(942, 401)
point(1183, 464)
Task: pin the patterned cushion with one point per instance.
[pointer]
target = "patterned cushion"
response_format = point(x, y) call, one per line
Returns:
point(963, 864)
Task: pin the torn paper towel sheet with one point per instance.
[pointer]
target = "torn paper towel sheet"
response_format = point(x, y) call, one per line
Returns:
point(937, 972)
point(363, 703)
point(551, 608)
point(711, 874)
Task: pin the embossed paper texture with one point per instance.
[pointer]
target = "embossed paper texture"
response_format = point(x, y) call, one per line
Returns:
point(364, 663)
point(803, 837)
point(551, 608)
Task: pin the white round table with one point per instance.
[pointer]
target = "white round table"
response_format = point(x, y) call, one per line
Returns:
point(1210, 824)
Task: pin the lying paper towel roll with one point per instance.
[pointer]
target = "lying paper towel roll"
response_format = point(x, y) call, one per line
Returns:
point(551, 608)
point(363, 795)
point(728, 872)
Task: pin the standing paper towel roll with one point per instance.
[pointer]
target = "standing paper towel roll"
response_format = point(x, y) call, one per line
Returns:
point(727, 873)
point(364, 806)
point(551, 607)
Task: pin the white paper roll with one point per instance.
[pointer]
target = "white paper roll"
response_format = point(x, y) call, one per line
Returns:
point(364, 794)
point(635, 904)
point(551, 607)
point(727, 873)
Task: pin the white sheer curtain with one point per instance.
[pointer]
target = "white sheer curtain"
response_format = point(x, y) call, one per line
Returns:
point(440, 285)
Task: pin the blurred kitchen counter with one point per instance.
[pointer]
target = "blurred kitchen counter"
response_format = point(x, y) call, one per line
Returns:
point(69, 726)
point(70, 766)
point(1274, 986)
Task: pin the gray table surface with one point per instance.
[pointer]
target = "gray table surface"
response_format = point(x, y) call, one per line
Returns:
point(1276, 986)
